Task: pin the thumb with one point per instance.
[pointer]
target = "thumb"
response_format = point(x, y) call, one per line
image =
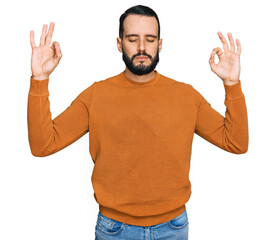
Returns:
point(212, 61)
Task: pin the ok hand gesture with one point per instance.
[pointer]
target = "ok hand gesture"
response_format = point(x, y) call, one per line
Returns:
point(228, 67)
point(45, 58)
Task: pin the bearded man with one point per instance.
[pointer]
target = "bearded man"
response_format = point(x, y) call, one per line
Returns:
point(141, 126)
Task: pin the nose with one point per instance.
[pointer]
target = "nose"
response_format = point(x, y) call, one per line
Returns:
point(141, 45)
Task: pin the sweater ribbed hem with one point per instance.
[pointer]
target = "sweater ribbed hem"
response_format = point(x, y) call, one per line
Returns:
point(234, 91)
point(141, 221)
point(39, 87)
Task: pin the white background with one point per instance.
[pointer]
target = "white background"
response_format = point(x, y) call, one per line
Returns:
point(233, 196)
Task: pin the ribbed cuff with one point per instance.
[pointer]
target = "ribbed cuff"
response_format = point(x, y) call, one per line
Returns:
point(233, 91)
point(39, 87)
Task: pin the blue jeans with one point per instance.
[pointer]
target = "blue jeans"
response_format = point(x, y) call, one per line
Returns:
point(109, 229)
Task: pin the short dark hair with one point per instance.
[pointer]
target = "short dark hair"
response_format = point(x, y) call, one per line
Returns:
point(137, 10)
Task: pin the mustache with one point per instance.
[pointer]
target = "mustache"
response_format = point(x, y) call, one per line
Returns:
point(141, 53)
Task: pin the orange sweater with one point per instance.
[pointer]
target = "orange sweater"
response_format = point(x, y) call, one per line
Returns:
point(140, 137)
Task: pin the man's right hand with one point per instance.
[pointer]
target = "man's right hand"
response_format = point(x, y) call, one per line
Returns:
point(45, 58)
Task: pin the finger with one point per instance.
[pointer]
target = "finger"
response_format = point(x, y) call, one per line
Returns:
point(53, 46)
point(56, 47)
point(50, 34)
point(218, 51)
point(238, 47)
point(224, 42)
point(232, 43)
point(32, 39)
point(58, 50)
point(43, 35)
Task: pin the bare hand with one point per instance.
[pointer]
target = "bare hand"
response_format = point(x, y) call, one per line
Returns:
point(228, 67)
point(45, 58)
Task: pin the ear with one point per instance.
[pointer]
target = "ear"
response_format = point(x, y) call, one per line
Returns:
point(119, 44)
point(160, 44)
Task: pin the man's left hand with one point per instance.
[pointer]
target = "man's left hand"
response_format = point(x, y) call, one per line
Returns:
point(228, 67)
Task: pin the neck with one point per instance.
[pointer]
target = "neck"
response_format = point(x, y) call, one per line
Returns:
point(140, 78)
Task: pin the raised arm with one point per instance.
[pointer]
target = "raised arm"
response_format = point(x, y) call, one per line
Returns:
point(47, 136)
point(230, 132)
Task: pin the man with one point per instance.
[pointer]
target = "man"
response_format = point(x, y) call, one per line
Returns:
point(141, 126)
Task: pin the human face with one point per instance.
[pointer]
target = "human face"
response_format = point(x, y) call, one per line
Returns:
point(140, 45)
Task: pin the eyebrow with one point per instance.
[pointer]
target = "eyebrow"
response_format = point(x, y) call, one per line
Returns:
point(136, 35)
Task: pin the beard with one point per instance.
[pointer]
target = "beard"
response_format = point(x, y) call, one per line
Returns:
point(140, 69)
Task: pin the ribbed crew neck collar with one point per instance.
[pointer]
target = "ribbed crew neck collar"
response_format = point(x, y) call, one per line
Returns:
point(149, 82)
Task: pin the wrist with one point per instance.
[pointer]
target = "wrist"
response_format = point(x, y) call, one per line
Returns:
point(225, 82)
point(40, 78)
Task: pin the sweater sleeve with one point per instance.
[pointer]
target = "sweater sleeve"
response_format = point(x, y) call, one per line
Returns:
point(230, 132)
point(47, 136)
